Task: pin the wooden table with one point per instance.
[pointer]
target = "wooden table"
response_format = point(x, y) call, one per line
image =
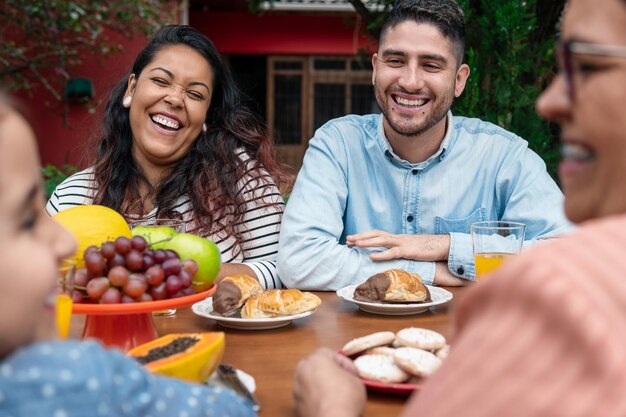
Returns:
point(271, 356)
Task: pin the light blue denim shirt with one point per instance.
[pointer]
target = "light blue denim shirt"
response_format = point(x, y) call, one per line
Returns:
point(351, 181)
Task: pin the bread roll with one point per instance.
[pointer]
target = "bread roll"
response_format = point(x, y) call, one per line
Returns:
point(274, 303)
point(393, 286)
point(233, 291)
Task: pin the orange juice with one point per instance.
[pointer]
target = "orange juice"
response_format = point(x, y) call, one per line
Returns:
point(487, 262)
point(63, 314)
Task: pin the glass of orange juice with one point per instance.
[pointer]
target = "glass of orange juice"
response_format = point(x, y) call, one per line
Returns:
point(63, 305)
point(493, 242)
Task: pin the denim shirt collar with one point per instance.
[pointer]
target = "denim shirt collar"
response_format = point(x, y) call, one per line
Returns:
point(395, 159)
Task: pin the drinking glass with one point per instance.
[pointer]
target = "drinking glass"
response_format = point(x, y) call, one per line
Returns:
point(63, 305)
point(493, 242)
point(178, 226)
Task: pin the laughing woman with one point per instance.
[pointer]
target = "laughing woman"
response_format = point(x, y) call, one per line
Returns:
point(178, 143)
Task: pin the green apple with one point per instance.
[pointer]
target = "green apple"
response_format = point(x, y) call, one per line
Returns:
point(156, 236)
point(203, 251)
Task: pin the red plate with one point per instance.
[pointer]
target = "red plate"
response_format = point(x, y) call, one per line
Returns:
point(395, 388)
point(128, 325)
point(141, 307)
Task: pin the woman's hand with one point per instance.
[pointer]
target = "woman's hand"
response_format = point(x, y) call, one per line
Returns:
point(416, 247)
point(325, 384)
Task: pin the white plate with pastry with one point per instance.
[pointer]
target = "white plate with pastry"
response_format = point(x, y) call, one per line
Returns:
point(240, 302)
point(204, 308)
point(394, 292)
point(438, 296)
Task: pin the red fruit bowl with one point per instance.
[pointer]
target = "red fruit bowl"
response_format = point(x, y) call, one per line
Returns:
point(129, 324)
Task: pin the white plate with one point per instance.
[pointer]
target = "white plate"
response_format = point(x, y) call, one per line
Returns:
point(204, 308)
point(438, 296)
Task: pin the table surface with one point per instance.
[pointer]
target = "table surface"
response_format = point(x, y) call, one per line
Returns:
point(271, 356)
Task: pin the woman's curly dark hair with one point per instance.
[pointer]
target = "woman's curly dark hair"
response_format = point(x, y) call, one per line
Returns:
point(209, 173)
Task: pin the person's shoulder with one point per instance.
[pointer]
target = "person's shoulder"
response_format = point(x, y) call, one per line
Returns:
point(84, 179)
point(579, 256)
point(347, 133)
point(484, 130)
point(606, 229)
point(54, 357)
point(76, 190)
point(242, 154)
point(352, 122)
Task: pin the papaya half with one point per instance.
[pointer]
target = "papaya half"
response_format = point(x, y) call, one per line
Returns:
point(189, 356)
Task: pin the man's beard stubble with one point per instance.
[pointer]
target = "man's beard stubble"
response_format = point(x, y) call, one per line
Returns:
point(415, 129)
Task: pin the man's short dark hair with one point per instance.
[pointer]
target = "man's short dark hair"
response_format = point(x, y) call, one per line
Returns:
point(446, 15)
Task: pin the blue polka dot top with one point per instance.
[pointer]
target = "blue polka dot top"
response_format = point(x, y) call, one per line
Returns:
point(75, 379)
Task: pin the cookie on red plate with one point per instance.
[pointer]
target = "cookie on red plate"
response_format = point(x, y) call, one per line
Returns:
point(361, 344)
point(420, 338)
point(381, 350)
point(415, 361)
point(443, 352)
point(380, 368)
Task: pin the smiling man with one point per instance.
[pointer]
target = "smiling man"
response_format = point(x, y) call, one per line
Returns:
point(415, 173)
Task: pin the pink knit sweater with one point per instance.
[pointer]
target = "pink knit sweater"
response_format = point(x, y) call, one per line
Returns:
point(545, 335)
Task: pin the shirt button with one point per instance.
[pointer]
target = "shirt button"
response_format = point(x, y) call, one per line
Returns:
point(414, 171)
point(409, 218)
point(460, 270)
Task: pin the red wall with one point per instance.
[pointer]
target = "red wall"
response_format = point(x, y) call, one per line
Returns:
point(232, 33)
point(243, 33)
point(59, 143)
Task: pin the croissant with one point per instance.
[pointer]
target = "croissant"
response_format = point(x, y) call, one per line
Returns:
point(393, 286)
point(273, 303)
point(233, 291)
point(251, 310)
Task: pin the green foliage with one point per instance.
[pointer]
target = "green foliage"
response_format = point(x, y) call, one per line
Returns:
point(509, 66)
point(40, 40)
point(53, 176)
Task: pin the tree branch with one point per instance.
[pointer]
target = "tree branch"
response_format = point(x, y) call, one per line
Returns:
point(45, 83)
point(363, 11)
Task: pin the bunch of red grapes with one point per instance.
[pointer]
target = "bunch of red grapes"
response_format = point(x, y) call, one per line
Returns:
point(128, 271)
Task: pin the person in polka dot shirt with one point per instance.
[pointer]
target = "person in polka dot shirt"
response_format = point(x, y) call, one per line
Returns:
point(41, 376)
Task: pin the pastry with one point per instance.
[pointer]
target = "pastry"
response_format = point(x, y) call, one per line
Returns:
point(273, 303)
point(251, 310)
point(393, 286)
point(288, 302)
point(363, 343)
point(233, 291)
point(380, 368)
point(420, 338)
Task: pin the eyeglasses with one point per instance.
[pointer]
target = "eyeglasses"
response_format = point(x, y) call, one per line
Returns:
point(568, 48)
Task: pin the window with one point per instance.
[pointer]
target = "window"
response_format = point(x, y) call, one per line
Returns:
point(306, 92)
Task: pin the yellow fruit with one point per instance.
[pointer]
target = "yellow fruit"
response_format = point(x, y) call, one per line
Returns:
point(92, 225)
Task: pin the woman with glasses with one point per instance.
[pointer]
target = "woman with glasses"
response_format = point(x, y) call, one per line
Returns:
point(546, 335)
